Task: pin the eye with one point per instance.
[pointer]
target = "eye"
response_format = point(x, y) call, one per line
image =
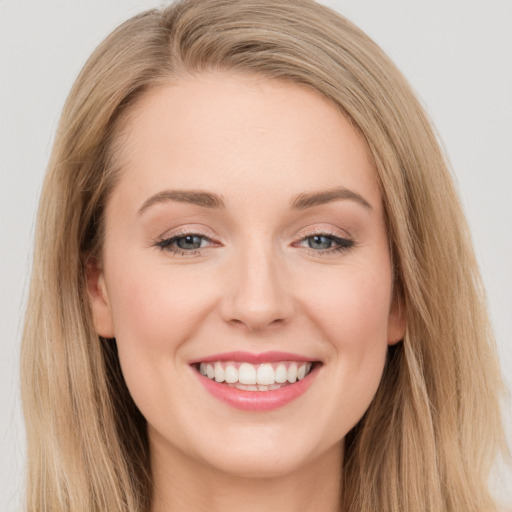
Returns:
point(321, 242)
point(325, 243)
point(189, 243)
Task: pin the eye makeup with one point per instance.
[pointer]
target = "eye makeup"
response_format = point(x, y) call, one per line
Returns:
point(190, 243)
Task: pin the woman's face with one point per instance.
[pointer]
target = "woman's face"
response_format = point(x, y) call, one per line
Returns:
point(246, 240)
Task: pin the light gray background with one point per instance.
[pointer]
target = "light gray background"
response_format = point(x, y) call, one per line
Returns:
point(456, 53)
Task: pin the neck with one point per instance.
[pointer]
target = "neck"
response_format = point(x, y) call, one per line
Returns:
point(193, 486)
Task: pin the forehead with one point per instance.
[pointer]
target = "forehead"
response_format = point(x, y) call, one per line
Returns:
point(224, 130)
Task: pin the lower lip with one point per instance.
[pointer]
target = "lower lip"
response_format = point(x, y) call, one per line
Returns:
point(258, 400)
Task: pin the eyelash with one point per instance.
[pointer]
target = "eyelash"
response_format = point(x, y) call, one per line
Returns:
point(166, 244)
point(342, 244)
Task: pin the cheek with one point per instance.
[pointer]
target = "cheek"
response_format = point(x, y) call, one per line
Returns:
point(352, 313)
point(155, 307)
point(353, 306)
point(155, 311)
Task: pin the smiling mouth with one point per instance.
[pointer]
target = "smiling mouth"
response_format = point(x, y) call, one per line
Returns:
point(255, 377)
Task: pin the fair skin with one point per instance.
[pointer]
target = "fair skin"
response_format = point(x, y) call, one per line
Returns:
point(266, 272)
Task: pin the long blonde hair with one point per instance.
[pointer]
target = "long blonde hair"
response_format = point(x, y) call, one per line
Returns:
point(432, 432)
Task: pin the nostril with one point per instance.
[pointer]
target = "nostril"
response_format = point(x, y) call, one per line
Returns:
point(256, 323)
point(256, 297)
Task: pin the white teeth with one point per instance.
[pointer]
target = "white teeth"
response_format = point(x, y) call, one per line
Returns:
point(292, 372)
point(247, 374)
point(219, 373)
point(265, 375)
point(262, 377)
point(281, 374)
point(231, 374)
point(245, 387)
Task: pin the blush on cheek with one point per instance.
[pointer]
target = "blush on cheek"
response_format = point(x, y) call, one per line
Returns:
point(158, 313)
point(355, 313)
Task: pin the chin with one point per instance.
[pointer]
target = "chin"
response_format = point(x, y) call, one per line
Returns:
point(262, 465)
point(268, 452)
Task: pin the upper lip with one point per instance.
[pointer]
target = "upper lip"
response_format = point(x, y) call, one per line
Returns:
point(249, 357)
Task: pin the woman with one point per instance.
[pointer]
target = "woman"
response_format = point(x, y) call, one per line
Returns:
point(245, 288)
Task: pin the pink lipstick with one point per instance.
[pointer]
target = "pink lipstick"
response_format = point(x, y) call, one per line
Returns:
point(256, 382)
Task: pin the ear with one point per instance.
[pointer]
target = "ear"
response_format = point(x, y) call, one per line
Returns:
point(99, 300)
point(397, 321)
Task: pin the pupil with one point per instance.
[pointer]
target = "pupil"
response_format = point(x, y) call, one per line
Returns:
point(319, 242)
point(189, 242)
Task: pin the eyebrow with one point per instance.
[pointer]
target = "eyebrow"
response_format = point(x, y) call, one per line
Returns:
point(214, 201)
point(197, 197)
point(303, 201)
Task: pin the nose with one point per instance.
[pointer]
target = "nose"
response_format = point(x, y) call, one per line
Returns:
point(257, 294)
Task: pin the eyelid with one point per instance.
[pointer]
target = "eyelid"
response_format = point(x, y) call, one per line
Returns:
point(344, 241)
point(164, 241)
point(324, 230)
point(189, 229)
